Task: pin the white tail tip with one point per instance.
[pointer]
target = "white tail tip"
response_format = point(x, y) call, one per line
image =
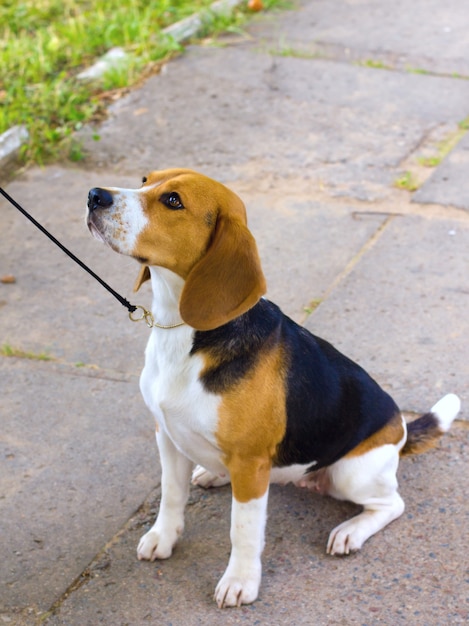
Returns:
point(446, 410)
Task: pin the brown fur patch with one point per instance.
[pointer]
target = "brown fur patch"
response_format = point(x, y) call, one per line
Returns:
point(391, 433)
point(228, 279)
point(252, 421)
point(143, 275)
point(206, 242)
point(422, 434)
point(212, 359)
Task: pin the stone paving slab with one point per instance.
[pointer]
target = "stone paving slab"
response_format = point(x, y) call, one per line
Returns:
point(423, 35)
point(402, 311)
point(76, 462)
point(448, 184)
point(414, 571)
point(54, 306)
point(297, 277)
point(233, 114)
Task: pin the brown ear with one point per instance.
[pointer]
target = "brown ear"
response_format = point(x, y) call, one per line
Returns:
point(143, 275)
point(227, 281)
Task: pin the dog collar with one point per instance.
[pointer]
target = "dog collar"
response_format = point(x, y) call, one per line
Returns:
point(147, 317)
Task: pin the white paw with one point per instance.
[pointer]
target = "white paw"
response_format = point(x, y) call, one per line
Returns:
point(347, 537)
point(235, 590)
point(157, 543)
point(204, 478)
point(352, 534)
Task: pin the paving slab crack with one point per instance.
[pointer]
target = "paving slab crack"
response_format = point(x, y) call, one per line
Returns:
point(349, 267)
point(86, 370)
point(373, 59)
point(103, 558)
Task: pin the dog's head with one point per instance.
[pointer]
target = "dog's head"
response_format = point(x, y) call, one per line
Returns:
point(193, 226)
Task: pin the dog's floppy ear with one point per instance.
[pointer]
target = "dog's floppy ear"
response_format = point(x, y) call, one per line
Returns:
point(143, 275)
point(227, 281)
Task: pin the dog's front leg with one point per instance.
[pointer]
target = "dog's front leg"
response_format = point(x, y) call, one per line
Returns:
point(176, 471)
point(241, 580)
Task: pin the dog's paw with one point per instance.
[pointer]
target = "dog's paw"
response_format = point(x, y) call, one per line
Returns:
point(352, 534)
point(157, 544)
point(346, 538)
point(233, 590)
point(204, 478)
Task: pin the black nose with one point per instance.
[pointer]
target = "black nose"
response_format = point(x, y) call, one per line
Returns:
point(99, 199)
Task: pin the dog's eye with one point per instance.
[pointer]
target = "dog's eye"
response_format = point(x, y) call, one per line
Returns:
point(172, 201)
point(144, 180)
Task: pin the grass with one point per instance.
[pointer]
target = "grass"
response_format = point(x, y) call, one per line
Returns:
point(44, 44)
point(431, 161)
point(285, 50)
point(445, 146)
point(374, 64)
point(8, 351)
point(312, 306)
point(417, 70)
point(407, 181)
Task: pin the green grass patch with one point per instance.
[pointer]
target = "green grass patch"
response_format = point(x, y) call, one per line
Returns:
point(445, 146)
point(375, 64)
point(432, 161)
point(285, 49)
point(407, 181)
point(312, 306)
point(417, 70)
point(9, 351)
point(44, 44)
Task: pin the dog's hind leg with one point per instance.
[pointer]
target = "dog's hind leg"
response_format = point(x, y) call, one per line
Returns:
point(369, 480)
point(206, 479)
point(367, 475)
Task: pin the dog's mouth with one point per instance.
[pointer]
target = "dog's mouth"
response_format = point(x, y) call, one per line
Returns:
point(94, 230)
point(103, 234)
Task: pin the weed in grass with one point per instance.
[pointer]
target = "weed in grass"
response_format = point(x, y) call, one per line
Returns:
point(75, 150)
point(214, 24)
point(121, 75)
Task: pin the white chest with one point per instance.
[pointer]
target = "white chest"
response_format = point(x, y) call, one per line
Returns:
point(172, 391)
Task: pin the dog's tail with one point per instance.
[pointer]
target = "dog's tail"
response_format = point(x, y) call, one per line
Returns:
point(424, 432)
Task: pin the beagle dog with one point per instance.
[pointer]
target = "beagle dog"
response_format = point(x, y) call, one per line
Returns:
point(239, 391)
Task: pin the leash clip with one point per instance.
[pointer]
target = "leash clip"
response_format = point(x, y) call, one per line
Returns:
point(145, 315)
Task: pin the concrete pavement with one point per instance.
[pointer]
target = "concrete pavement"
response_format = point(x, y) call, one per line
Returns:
point(312, 115)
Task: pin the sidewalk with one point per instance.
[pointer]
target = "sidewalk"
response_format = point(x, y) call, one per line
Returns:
point(311, 117)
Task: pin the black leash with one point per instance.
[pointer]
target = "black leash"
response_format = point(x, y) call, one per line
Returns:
point(146, 315)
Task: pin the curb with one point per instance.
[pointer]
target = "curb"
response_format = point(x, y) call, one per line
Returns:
point(10, 144)
point(12, 139)
point(192, 25)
